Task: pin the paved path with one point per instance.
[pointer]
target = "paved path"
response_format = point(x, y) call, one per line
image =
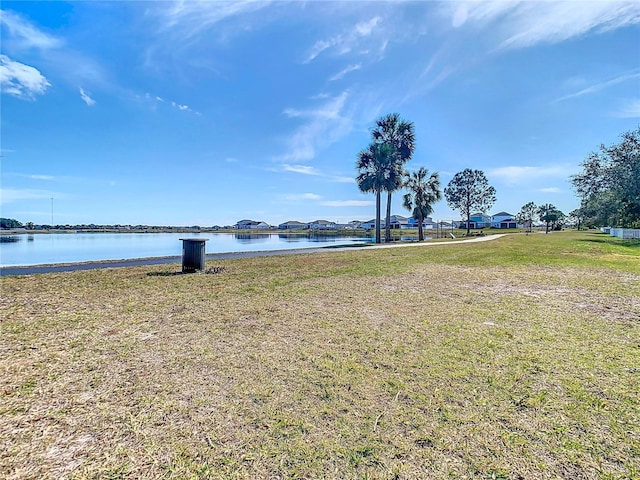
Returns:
point(72, 267)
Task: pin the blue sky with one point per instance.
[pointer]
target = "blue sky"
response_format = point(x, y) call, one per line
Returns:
point(205, 113)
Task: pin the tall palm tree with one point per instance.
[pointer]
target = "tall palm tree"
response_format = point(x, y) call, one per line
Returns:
point(399, 134)
point(374, 173)
point(424, 191)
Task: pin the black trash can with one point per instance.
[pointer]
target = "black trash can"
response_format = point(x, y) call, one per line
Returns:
point(193, 254)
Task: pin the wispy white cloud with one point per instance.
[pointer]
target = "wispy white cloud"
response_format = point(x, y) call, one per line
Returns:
point(517, 175)
point(342, 179)
point(631, 109)
point(521, 24)
point(478, 29)
point(597, 87)
point(231, 160)
point(155, 100)
point(184, 108)
point(193, 17)
point(303, 169)
point(323, 126)
point(344, 71)
point(26, 34)
point(550, 190)
point(86, 98)
point(347, 203)
point(20, 80)
point(9, 195)
point(53, 54)
point(346, 41)
point(299, 197)
point(41, 177)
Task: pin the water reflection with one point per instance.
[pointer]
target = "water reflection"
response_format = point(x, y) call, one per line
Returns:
point(247, 238)
point(37, 249)
point(9, 238)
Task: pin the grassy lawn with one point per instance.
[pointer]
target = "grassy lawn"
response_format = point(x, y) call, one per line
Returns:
point(516, 358)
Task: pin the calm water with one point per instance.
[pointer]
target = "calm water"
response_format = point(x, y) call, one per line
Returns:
point(83, 247)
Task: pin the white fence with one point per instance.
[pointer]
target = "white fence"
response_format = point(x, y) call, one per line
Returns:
point(623, 232)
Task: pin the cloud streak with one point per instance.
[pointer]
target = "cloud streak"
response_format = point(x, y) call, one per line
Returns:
point(25, 34)
point(345, 42)
point(20, 80)
point(86, 98)
point(343, 72)
point(302, 169)
point(602, 85)
point(347, 203)
point(522, 24)
point(193, 17)
point(631, 109)
point(10, 195)
point(478, 29)
point(300, 197)
point(323, 126)
point(518, 175)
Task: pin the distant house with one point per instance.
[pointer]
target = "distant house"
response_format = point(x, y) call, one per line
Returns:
point(250, 225)
point(321, 225)
point(368, 225)
point(477, 220)
point(426, 223)
point(503, 220)
point(396, 221)
point(292, 225)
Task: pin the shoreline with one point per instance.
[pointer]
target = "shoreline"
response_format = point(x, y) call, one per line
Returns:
point(136, 262)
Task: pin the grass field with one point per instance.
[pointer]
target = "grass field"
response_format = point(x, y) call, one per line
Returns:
point(517, 358)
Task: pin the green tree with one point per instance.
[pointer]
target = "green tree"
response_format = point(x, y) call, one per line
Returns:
point(576, 217)
point(469, 190)
point(609, 184)
point(374, 169)
point(527, 215)
point(9, 223)
point(400, 135)
point(424, 191)
point(552, 217)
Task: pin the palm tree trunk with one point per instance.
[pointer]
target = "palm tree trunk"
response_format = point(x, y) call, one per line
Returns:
point(377, 216)
point(420, 232)
point(468, 224)
point(387, 230)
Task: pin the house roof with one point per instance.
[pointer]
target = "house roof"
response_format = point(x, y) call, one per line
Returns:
point(503, 214)
point(293, 222)
point(322, 222)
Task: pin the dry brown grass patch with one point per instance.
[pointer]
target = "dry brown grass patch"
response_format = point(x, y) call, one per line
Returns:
point(320, 366)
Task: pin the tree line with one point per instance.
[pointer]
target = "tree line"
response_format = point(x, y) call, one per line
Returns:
point(609, 185)
point(381, 168)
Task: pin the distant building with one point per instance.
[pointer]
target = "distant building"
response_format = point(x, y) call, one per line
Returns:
point(369, 224)
point(250, 225)
point(426, 223)
point(503, 220)
point(321, 225)
point(477, 220)
point(395, 221)
point(292, 225)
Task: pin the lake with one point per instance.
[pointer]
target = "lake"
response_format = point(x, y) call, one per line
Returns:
point(24, 249)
